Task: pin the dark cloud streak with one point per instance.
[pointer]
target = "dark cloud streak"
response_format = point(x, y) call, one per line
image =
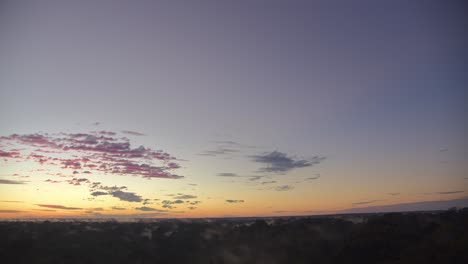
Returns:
point(53, 206)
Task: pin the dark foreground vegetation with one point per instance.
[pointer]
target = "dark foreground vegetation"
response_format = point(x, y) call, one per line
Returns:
point(440, 237)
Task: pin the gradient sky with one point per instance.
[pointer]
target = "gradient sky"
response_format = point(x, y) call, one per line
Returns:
point(243, 108)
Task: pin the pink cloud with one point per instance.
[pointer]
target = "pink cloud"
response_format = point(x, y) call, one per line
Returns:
point(11, 154)
point(96, 151)
point(36, 140)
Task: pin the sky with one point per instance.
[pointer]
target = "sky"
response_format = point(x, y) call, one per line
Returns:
point(231, 108)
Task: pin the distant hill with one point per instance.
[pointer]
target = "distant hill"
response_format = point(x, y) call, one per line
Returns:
point(406, 207)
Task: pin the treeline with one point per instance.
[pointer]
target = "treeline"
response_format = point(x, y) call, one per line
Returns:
point(387, 238)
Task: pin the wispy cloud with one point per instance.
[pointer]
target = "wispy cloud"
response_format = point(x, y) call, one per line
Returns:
point(283, 212)
point(218, 151)
point(227, 142)
point(10, 211)
point(52, 181)
point(99, 193)
point(313, 178)
point(53, 206)
point(255, 178)
point(308, 179)
point(450, 192)
point(394, 193)
point(185, 196)
point(133, 133)
point(149, 209)
point(283, 188)
point(365, 202)
point(279, 162)
point(227, 174)
point(234, 201)
point(3, 181)
point(268, 182)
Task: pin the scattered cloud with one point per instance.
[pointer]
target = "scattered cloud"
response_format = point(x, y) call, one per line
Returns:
point(234, 201)
point(53, 206)
point(126, 196)
point(117, 208)
point(284, 188)
point(394, 193)
point(98, 151)
point(3, 181)
point(98, 190)
point(86, 153)
point(78, 181)
point(147, 201)
point(279, 162)
point(170, 204)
